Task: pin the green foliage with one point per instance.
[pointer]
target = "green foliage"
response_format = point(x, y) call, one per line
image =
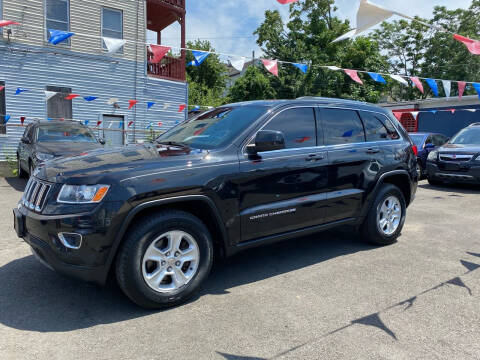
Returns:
point(253, 85)
point(207, 81)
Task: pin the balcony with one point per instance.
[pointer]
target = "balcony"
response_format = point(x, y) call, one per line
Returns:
point(160, 15)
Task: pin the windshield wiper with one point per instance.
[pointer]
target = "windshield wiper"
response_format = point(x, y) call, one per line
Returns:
point(173, 143)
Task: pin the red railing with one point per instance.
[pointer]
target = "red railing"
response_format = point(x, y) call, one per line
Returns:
point(179, 3)
point(170, 68)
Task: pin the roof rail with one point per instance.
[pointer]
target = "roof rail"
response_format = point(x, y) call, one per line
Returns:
point(325, 99)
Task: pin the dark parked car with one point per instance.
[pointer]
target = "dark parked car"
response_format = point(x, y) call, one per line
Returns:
point(44, 141)
point(238, 176)
point(458, 161)
point(426, 142)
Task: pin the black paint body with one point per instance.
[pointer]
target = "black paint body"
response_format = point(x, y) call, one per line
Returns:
point(246, 200)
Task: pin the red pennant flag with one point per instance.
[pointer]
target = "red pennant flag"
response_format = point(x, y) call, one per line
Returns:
point(22, 120)
point(132, 103)
point(285, 2)
point(99, 122)
point(472, 45)
point(7, 22)
point(160, 124)
point(181, 107)
point(452, 111)
point(354, 75)
point(2, 88)
point(417, 83)
point(159, 53)
point(130, 123)
point(398, 115)
point(71, 96)
point(461, 88)
point(271, 65)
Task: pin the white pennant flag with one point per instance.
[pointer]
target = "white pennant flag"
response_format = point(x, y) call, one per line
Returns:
point(447, 86)
point(238, 63)
point(471, 110)
point(415, 114)
point(49, 95)
point(334, 68)
point(399, 79)
point(113, 45)
point(166, 106)
point(368, 15)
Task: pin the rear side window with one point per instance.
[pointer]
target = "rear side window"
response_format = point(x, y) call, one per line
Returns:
point(392, 132)
point(298, 126)
point(439, 140)
point(374, 128)
point(342, 127)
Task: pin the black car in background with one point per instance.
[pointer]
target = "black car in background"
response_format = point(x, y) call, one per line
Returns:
point(238, 176)
point(47, 140)
point(458, 161)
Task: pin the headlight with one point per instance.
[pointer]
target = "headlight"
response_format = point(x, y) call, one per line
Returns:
point(432, 156)
point(44, 157)
point(82, 194)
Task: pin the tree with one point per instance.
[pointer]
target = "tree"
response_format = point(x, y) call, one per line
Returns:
point(311, 30)
point(253, 85)
point(207, 81)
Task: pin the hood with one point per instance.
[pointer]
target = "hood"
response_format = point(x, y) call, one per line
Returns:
point(59, 148)
point(111, 165)
point(459, 149)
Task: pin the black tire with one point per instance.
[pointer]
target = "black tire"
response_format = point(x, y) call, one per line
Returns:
point(22, 174)
point(420, 170)
point(138, 239)
point(371, 229)
point(435, 182)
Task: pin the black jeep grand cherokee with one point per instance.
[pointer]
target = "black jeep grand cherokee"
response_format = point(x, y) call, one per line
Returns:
point(235, 177)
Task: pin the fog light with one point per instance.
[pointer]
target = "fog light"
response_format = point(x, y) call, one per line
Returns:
point(71, 240)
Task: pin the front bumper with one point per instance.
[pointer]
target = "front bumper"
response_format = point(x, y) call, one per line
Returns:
point(90, 261)
point(456, 173)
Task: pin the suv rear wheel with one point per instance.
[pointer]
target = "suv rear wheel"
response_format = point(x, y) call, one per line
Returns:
point(386, 217)
point(164, 259)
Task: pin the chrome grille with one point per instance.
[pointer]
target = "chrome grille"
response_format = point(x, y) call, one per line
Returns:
point(455, 157)
point(35, 194)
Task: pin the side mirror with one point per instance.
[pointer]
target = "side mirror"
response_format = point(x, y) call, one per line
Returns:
point(25, 140)
point(102, 141)
point(267, 140)
point(429, 146)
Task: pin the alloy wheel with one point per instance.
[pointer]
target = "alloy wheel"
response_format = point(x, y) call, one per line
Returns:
point(389, 215)
point(170, 261)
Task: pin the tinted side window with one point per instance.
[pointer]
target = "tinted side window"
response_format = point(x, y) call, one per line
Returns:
point(429, 140)
point(342, 127)
point(298, 126)
point(439, 140)
point(392, 132)
point(374, 128)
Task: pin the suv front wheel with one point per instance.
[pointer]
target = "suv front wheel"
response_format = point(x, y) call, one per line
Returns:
point(386, 217)
point(164, 259)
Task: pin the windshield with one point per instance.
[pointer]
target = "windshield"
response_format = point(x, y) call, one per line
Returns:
point(417, 139)
point(215, 128)
point(468, 136)
point(63, 134)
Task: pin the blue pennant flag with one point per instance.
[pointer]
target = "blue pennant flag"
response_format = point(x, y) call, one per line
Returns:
point(303, 67)
point(57, 36)
point(19, 91)
point(7, 117)
point(433, 85)
point(377, 77)
point(120, 125)
point(86, 122)
point(49, 119)
point(90, 98)
point(348, 133)
point(150, 104)
point(149, 126)
point(192, 63)
point(476, 86)
point(433, 111)
point(200, 56)
point(196, 108)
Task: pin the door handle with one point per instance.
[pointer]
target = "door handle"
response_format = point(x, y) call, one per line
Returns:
point(315, 157)
point(373, 151)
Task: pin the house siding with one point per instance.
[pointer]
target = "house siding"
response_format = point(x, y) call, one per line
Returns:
point(85, 68)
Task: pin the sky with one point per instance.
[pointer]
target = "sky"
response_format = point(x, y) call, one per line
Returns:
point(229, 24)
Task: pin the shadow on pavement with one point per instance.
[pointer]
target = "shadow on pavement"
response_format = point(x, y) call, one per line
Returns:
point(456, 188)
point(34, 298)
point(16, 183)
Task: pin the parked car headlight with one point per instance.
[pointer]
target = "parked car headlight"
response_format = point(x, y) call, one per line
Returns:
point(82, 194)
point(432, 156)
point(44, 157)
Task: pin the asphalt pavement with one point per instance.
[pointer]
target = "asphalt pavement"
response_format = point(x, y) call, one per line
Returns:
point(327, 296)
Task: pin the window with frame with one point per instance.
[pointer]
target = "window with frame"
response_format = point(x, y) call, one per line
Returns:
point(57, 106)
point(3, 109)
point(112, 24)
point(375, 130)
point(57, 16)
point(342, 127)
point(439, 140)
point(297, 125)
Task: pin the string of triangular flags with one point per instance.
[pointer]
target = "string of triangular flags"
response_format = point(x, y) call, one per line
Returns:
point(399, 113)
